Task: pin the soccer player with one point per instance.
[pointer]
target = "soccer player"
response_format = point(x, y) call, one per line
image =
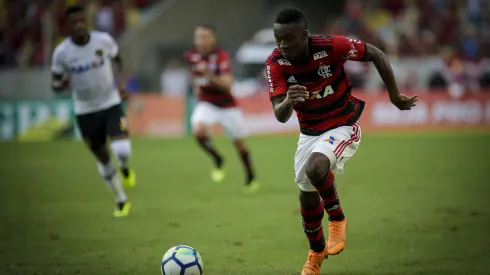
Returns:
point(306, 74)
point(212, 81)
point(83, 63)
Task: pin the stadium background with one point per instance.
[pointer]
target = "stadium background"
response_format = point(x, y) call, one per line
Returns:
point(427, 165)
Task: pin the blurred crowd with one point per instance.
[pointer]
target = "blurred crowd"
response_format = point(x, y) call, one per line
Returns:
point(456, 31)
point(27, 27)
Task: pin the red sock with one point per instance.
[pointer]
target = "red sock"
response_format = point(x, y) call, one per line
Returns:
point(328, 192)
point(312, 224)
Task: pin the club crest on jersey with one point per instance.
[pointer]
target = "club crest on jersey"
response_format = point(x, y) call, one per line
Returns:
point(99, 52)
point(324, 71)
point(284, 62)
point(320, 55)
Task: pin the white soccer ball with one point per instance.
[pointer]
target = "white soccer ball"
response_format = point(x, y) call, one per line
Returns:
point(182, 260)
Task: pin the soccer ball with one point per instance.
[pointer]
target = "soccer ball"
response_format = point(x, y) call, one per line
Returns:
point(182, 260)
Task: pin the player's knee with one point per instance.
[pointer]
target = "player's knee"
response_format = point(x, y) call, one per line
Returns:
point(309, 199)
point(317, 167)
point(121, 147)
point(199, 132)
point(101, 153)
point(240, 145)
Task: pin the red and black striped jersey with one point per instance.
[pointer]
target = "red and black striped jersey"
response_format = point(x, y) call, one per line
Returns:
point(331, 103)
point(217, 62)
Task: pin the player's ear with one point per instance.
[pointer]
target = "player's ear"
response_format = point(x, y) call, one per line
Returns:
point(306, 33)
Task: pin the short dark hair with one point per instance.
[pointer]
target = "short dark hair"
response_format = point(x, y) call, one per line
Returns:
point(291, 15)
point(207, 26)
point(74, 9)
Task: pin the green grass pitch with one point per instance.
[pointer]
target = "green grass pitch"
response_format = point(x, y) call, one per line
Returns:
point(417, 204)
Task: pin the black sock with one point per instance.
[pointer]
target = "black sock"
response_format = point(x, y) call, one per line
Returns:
point(120, 205)
point(245, 156)
point(125, 171)
point(209, 148)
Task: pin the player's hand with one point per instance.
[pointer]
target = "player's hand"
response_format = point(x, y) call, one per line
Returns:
point(404, 102)
point(297, 93)
point(123, 92)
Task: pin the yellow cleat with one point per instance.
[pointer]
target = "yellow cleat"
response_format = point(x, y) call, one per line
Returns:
point(218, 175)
point(130, 181)
point(118, 213)
point(252, 187)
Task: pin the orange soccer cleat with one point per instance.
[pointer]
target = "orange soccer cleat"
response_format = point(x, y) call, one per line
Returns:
point(337, 231)
point(314, 262)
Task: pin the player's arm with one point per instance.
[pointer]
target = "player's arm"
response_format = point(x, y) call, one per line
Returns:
point(59, 82)
point(120, 76)
point(382, 64)
point(282, 98)
point(117, 61)
point(224, 80)
point(355, 50)
point(59, 77)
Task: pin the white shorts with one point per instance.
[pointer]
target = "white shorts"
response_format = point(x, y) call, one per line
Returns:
point(230, 119)
point(338, 144)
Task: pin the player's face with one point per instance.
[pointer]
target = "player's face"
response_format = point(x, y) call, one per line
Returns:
point(204, 40)
point(291, 39)
point(78, 24)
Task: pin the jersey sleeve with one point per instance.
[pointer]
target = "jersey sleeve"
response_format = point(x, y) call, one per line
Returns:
point(113, 48)
point(349, 49)
point(57, 64)
point(224, 63)
point(277, 83)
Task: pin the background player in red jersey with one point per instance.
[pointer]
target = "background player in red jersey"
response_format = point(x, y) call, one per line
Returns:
point(212, 81)
point(306, 74)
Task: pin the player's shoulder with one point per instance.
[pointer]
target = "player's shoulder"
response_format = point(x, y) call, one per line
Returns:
point(192, 55)
point(62, 47)
point(222, 53)
point(321, 44)
point(322, 39)
point(276, 58)
point(100, 36)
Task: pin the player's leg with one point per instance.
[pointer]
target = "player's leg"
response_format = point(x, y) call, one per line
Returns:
point(93, 132)
point(232, 121)
point(203, 117)
point(117, 130)
point(331, 151)
point(312, 210)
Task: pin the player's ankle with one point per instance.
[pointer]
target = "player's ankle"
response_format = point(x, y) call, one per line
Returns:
point(337, 218)
point(219, 162)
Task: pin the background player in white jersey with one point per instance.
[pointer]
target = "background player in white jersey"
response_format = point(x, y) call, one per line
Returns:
point(83, 63)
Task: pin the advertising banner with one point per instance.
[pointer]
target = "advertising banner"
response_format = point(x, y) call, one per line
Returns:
point(156, 116)
point(36, 120)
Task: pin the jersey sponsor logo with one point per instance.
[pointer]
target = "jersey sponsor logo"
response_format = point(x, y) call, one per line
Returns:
point(320, 55)
point(324, 71)
point(99, 52)
point(94, 64)
point(284, 62)
point(195, 57)
point(268, 71)
point(328, 90)
point(291, 79)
